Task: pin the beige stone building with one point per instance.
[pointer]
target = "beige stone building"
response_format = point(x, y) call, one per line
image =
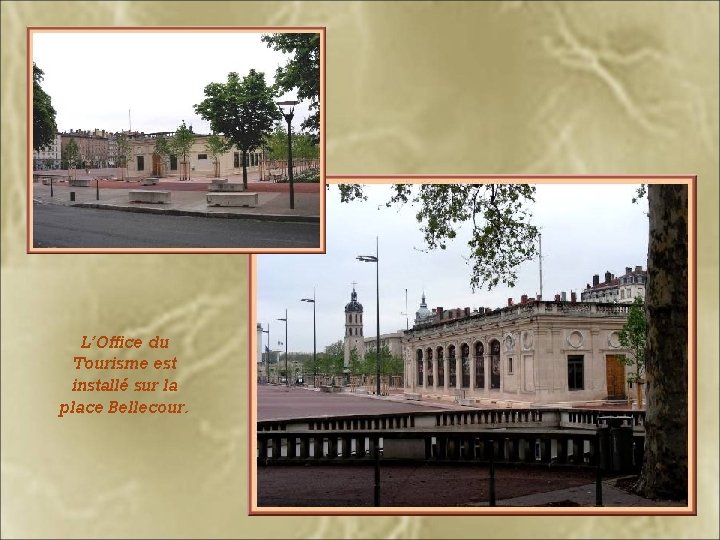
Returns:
point(535, 352)
point(145, 162)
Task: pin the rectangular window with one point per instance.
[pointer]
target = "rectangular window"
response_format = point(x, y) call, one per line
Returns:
point(575, 372)
point(173, 163)
point(141, 163)
point(510, 366)
point(202, 156)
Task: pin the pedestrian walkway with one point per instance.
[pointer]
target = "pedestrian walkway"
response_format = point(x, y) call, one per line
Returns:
point(187, 198)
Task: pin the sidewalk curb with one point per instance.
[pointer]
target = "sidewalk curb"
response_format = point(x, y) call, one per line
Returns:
point(175, 212)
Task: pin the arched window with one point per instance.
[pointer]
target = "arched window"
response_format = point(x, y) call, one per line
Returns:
point(452, 367)
point(429, 367)
point(465, 357)
point(419, 367)
point(479, 365)
point(441, 367)
point(495, 364)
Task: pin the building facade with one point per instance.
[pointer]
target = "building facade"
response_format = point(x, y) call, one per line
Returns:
point(145, 162)
point(49, 156)
point(92, 147)
point(622, 289)
point(533, 352)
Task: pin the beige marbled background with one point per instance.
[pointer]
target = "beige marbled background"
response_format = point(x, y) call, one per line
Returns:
point(511, 87)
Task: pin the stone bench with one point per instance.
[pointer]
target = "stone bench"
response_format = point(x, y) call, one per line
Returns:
point(80, 182)
point(149, 196)
point(232, 199)
point(150, 181)
point(225, 186)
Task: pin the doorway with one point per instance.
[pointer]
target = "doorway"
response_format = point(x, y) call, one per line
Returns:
point(615, 376)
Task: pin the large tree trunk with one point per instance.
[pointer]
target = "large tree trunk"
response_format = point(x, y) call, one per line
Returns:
point(665, 468)
point(244, 166)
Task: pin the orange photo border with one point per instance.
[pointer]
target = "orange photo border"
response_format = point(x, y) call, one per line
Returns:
point(173, 29)
point(689, 510)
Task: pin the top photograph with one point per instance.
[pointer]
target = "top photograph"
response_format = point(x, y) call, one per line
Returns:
point(176, 140)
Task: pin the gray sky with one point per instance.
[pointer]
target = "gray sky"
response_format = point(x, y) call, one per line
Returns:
point(94, 78)
point(586, 229)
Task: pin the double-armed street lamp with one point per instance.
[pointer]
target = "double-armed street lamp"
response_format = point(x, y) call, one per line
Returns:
point(376, 259)
point(285, 320)
point(287, 108)
point(312, 300)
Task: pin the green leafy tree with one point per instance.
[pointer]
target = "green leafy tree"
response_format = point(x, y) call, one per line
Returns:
point(331, 361)
point(124, 151)
point(357, 364)
point(304, 146)
point(302, 72)
point(634, 336)
point(243, 110)
point(216, 146)
point(44, 126)
point(502, 235)
point(71, 154)
point(180, 144)
point(389, 364)
point(163, 150)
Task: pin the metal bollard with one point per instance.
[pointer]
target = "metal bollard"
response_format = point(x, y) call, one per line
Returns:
point(72, 195)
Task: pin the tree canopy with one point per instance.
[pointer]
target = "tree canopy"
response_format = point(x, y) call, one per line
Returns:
point(502, 235)
point(71, 154)
point(180, 144)
point(243, 110)
point(216, 145)
point(162, 149)
point(634, 337)
point(303, 145)
point(302, 72)
point(44, 126)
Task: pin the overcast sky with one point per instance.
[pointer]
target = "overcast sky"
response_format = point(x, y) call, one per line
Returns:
point(586, 229)
point(95, 78)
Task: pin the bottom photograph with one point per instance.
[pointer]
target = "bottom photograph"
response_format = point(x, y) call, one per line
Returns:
point(493, 356)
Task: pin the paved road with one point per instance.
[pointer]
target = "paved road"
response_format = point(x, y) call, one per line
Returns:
point(279, 402)
point(60, 226)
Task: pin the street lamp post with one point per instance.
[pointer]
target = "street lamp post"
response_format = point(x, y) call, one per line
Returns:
point(312, 300)
point(285, 320)
point(289, 106)
point(267, 369)
point(376, 259)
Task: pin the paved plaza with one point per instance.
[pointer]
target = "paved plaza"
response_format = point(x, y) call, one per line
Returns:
point(187, 197)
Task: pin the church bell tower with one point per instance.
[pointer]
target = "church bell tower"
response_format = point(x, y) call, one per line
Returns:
point(353, 328)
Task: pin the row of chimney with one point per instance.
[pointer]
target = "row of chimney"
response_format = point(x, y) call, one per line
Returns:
point(609, 277)
point(562, 297)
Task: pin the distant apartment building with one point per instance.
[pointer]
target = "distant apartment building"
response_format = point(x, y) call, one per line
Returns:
point(49, 156)
point(112, 160)
point(620, 290)
point(146, 162)
point(92, 146)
